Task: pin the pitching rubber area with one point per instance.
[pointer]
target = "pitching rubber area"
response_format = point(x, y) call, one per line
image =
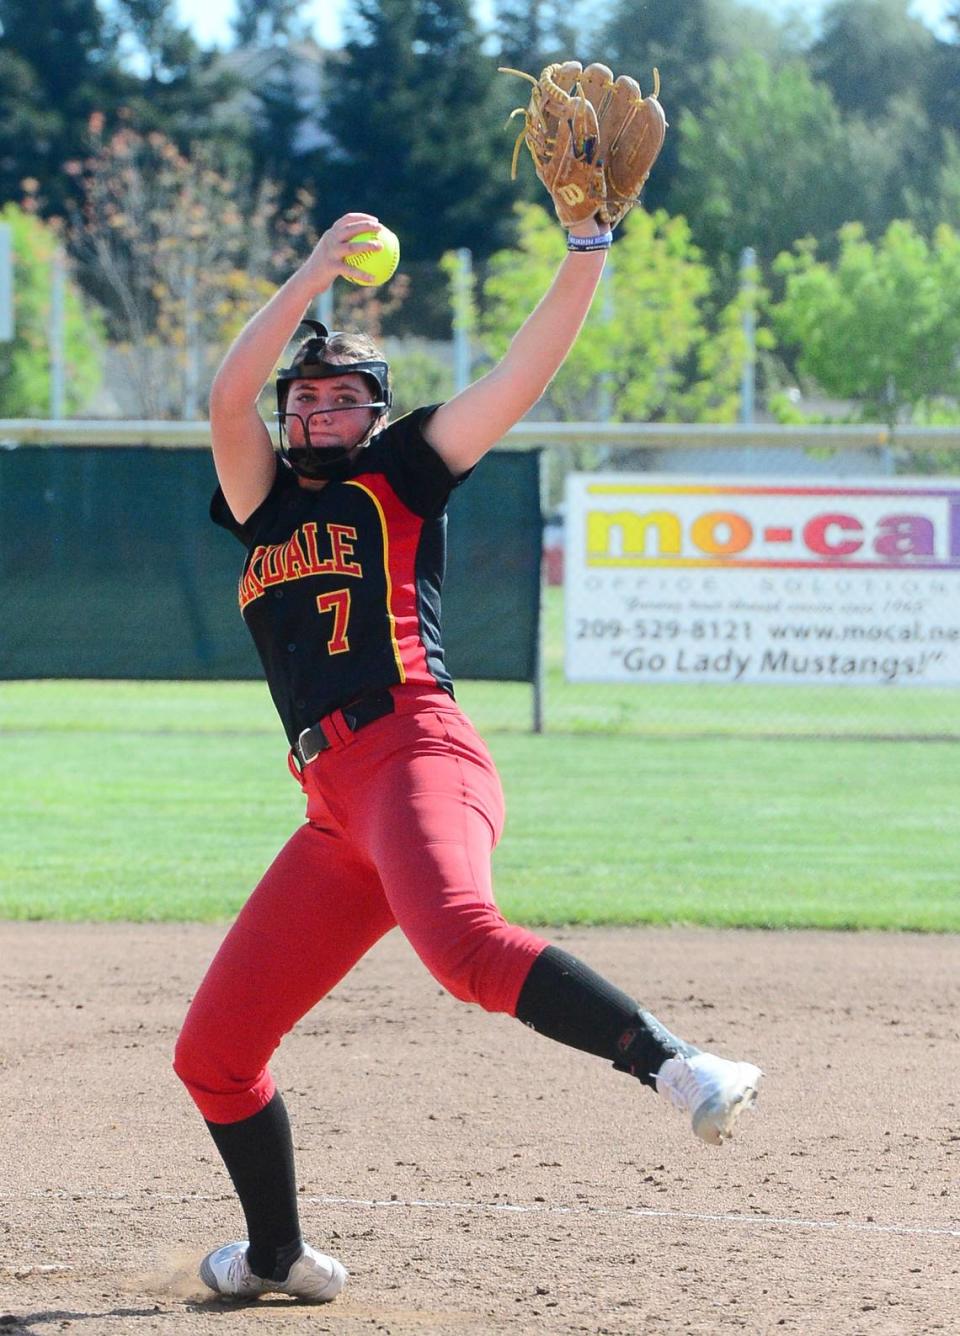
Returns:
point(475, 1178)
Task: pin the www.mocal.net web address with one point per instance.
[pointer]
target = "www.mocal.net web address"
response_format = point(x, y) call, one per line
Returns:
point(895, 633)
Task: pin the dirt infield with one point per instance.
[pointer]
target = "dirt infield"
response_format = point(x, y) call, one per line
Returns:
point(474, 1177)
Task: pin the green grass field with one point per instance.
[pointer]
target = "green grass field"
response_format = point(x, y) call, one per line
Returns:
point(166, 800)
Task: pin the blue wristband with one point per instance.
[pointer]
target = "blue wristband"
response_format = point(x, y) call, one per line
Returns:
point(603, 241)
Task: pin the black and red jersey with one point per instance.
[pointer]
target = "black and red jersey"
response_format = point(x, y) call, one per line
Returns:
point(340, 588)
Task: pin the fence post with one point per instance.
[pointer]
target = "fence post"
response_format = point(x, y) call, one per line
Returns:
point(6, 283)
point(324, 308)
point(539, 673)
point(462, 319)
point(748, 261)
point(58, 285)
point(191, 339)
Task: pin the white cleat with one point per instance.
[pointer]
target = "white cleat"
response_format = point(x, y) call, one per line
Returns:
point(713, 1091)
point(313, 1276)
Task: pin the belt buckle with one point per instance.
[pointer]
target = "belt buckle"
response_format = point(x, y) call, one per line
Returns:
point(315, 751)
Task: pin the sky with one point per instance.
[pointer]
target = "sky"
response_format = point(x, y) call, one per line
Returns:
point(210, 20)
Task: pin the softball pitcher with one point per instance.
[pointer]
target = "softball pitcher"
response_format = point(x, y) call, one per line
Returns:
point(344, 537)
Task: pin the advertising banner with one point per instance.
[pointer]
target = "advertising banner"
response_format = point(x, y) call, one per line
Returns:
point(846, 582)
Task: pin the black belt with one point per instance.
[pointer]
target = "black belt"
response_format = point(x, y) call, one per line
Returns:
point(312, 741)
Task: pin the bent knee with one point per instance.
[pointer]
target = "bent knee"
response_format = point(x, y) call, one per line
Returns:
point(225, 1089)
point(193, 1061)
point(486, 966)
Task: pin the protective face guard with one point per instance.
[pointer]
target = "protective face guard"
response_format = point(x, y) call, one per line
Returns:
point(308, 460)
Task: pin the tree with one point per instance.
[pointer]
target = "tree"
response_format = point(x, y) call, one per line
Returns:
point(677, 40)
point(533, 33)
point(770, 160)
point(871, 52)
point(883, 68)
point(881, 325)
point(941, 202)
point(265, 23)
point(25, 362)
point(65, 40)
point(739, 24)
point(283, 79)
point(181, 254)
point(177, 88)
point(651, 346)
point(64, 61)
point(281, 99)
point(155, 39)
point(28, 126)
point(287, 111)
point(58, 66)
point(943, 87)
point(418, 140)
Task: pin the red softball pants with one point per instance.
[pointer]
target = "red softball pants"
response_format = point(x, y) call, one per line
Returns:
point(402, 818)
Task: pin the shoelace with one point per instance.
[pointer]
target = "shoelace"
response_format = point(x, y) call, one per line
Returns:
point(239, 1276)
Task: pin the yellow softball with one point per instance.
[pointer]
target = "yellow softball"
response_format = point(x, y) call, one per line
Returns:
point(382, 264)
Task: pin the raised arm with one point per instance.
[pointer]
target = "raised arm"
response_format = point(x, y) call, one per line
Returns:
point(464, 429)
point(242, 449)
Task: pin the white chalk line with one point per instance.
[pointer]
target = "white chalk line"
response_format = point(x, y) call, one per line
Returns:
point(528, 1208)
point(642, 1212)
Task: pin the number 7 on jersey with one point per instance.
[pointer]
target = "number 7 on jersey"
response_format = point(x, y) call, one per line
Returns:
point(337, 602)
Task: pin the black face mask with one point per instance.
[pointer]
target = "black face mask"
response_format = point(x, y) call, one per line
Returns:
point(308, 460)
point(322, 461)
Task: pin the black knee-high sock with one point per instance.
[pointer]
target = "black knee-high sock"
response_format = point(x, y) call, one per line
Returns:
point(566, 1000)
point(258, 1153)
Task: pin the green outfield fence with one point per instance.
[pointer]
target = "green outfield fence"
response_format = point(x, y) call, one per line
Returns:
point(109, 568)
